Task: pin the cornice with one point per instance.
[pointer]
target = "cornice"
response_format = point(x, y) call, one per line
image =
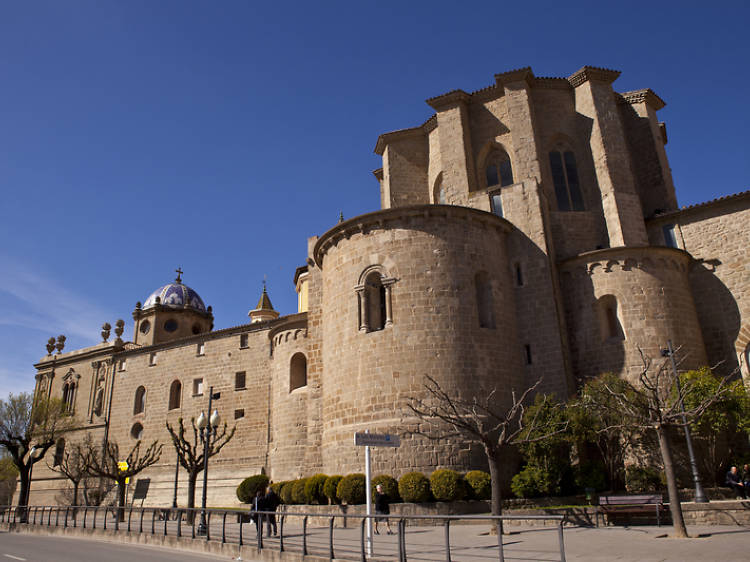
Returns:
point(552, 83)
point(400, 134)
point(106, 349)
point(290, 322)
point(698, 207)
point(633, 255)
point(378, 174)
point(379, 219)
point(593, 73)
point(640, 96)
point(453, 97)
point(517, 75)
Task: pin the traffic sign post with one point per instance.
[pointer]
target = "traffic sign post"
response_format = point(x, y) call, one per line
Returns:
point(368, 440)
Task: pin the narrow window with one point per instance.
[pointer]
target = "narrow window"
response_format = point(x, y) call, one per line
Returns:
point(670, 240)
point(375, 301)
point(527, 353)
point(297, 371)
point(140, 401)
point(485, 306)
point(59, 452)
point(239, 414)
point(496, 203)
point(243, 341)
point(136, 432)
point(239, 380)
point(201, 348)
point(122, 365)
point(438, 192)
point(197, 387)
point(519, 275)
point(152, 360)
point(609, 322)
point(498, 171)
point(565, 180)
point(175, 393)
point(69, 396)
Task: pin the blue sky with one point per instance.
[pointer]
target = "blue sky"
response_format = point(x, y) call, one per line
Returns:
point(136, 137)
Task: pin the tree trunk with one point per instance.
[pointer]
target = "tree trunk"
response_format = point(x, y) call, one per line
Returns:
point(75, 493)
point(674, 498)
point(23, 494)
point(192, 478)
point(496, 504)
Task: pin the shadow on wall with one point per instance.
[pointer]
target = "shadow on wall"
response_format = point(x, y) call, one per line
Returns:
point(718, 314)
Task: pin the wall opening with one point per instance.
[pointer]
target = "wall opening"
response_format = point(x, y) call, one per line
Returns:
point(609, 320)
point(59, 452)
point(485, 304)
point(375, 301)
point(175, 394)
point(297, 371)
point(139, 404)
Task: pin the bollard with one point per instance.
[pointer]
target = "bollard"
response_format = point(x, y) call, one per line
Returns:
point(448, 540)
point(330, 539)
point(224, 528)
point(304, 535)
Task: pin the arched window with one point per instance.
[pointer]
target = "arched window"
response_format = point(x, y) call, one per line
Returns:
point(498, 171)
point(297, 371)
point(175, 394)
point(59, 452)
point(136, 432)
point(375, 300)
point(609, 322)
point(485, 302)
point(438, 192)
point(565, 179)
point(68, 397)
point(139, 404)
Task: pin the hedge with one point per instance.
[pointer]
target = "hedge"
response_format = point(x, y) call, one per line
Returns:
point(351, 489)
point(314, 489)
point(330, 488)
point(447, 486)
point(390, 487)
point(277, 486)
point(249, 487)
point(286, 492)
point(414, 487)
point(479, 484)
point(298, 491)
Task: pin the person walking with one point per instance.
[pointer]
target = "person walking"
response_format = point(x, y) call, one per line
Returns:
point(271, 501)
point(382, 507)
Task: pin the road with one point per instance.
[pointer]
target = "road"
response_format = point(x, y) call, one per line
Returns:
point(40, 548)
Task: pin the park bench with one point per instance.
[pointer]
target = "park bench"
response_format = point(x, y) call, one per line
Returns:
point(647, 504)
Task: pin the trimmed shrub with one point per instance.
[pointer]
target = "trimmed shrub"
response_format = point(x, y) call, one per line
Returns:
point(249, 487)
point(479, 484)
point(640, 479)
point(286, 492)
point(414, 487)
point(351, 489)
point(447, 486)
point(276, 487)
point(390, 487)
point(298, 491)
point(314, 489)
point(330, 488)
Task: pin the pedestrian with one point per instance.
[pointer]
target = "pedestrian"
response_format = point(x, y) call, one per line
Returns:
point(258, 506)
point(734, 482)
point(382, 507)
point(271, 501)
point(746, 477)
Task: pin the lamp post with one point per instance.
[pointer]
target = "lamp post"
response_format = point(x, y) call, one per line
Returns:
point(700, 495)
point(34, 454)
point(208, 429)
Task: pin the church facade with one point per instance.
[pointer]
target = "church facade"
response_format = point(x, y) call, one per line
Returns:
point(527, 230)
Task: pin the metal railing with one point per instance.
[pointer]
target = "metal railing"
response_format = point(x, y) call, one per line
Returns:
point(183, 522)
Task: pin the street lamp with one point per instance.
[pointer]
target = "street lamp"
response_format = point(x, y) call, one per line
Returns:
point(208, 428)
point(34, 455)
point(700, 495)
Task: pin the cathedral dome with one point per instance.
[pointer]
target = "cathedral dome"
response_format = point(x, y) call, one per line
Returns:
point(176, 295)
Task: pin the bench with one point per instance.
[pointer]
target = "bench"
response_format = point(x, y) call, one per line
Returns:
point(652, 503)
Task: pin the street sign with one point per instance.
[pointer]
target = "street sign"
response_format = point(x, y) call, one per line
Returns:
point(376, 440)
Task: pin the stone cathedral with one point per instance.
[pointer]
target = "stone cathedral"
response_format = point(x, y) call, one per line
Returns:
point(527, 229)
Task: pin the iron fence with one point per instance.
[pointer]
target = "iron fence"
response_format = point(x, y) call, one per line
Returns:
point(229, 526)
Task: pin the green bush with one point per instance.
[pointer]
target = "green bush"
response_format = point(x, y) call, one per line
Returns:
point(640, 479)
point(590, 475)
point(479, 484)
point(286, 492)
point(531, 482)
point(330, 488)
point(414, 487)
point(351, 489)
point(249, 487)
point(314, 489)
point(298, 491)
point(390, 487)
point(276, 487)
point(447, 486)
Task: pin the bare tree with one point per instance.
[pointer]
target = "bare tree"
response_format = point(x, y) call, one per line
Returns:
point(109, 464)
point(482, 419)
point(72, 465)
point(190, 447)
point(23, 422)
point(656, 404)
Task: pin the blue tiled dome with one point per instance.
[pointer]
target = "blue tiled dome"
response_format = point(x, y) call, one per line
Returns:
point(176, 295)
